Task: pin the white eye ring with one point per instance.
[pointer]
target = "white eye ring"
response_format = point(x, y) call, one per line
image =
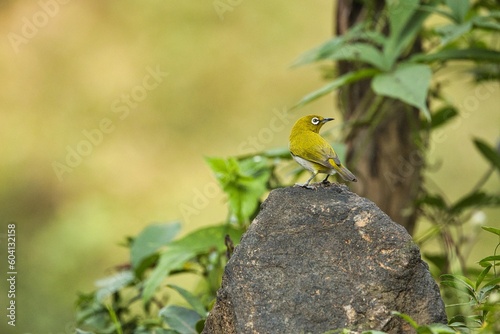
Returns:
point(315, 120)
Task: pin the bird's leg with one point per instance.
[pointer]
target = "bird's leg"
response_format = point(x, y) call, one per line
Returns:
point(310, 179)
point(325, 181)
point(306, 185)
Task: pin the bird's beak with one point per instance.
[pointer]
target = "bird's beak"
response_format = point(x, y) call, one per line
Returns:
point(327, 120)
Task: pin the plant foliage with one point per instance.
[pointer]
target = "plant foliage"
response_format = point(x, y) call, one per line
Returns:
point(135, 299)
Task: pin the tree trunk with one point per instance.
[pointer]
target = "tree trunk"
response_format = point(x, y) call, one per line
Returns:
point(384, 140)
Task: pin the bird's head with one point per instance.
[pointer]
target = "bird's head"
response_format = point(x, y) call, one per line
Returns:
point(310, 123)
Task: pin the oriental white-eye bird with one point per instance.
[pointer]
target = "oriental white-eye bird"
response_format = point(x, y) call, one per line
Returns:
point(313, 152)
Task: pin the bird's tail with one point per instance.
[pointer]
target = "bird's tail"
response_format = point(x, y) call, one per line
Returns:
point(345, 173)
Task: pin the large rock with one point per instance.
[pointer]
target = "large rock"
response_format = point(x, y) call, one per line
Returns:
point(320, 259)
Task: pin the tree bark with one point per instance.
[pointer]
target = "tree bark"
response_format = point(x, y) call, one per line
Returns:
point(384, 141)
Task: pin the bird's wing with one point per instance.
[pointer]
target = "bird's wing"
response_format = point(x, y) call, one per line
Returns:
point(318, 150)
point(329, 156)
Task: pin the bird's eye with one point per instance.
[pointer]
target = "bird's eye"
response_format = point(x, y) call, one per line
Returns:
point(315, 120)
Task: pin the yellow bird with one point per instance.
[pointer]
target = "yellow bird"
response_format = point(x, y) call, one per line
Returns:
point(313, 152)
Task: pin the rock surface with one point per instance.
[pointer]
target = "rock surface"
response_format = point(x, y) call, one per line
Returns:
point(320, 259)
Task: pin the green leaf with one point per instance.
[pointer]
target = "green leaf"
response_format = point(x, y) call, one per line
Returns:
point(114, 319)
point(459, 9)
point(459, 283)
point(485, 292)
point(486, 72)
point(247, 194)
point(437, 11)
point(406, 23)
point(146, 264)
point(208, 238)
point(470, 54)
point(458, 286)
point(150, 240)
point(93, 314)
point(457, 320)
point(181, 319)
point(350, 46)
point(200, 325)
point(170, 260)
point(280, 152)
point(491, 283)
point(483, 22)
point(488, 152)
point(438, 260)
point(475, 321)
point(362, 52)
point(243, 181)
point(321, 52)
point(443, 116)
point(408, 83)
point(195, 303)
point(272, 156)
point(452, 32)
point(374, 37)
point(486, 261)
point(474, 200)
point(406, 318)
point(182, 250)
point(459, 278)
point(112, 284)
point(155, 330)
point(399, 13)
point(343, 80)
point(436, 329)
point(482, 275)
point(436, 201)
point(79, 331)
point(491, 230)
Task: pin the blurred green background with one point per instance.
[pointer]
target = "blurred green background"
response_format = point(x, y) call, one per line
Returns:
point(222, 79)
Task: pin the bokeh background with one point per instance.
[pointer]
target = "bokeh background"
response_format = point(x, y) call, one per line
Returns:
point(221, 77)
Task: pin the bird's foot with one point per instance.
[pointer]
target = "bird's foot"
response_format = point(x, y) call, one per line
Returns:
point(304, 185)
